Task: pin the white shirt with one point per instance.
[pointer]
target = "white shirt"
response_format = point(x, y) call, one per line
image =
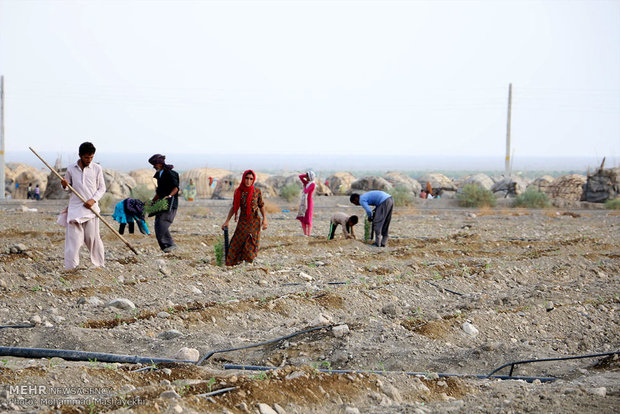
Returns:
point(89, 183)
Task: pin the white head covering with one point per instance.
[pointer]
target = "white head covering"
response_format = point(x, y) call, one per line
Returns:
point(311, 175)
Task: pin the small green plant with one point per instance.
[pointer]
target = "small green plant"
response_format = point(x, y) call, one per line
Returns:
point(218, 249)
point(290, 192)
point(156, 207)
point(184, 390)
point(474, 195)
point(92, 408)
point(382, 367)
point(142, 193)
point(326, 365)
point(402, 196)
point(260, 377)
point(367, 228)
point(532, 198)
point(5, 362)
point(37, 288)
point(211, 383)
point(613, 204)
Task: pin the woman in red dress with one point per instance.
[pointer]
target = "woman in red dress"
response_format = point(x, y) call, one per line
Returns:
point(247, 201)
point(306, 205)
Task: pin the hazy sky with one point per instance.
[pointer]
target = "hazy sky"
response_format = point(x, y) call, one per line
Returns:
point(322, 77)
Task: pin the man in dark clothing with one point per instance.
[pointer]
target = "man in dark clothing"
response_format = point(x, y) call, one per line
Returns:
point(167, 188)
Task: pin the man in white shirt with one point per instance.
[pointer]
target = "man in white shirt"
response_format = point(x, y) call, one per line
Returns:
point(82, 224)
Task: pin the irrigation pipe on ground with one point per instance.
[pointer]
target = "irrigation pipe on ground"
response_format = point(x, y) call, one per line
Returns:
point(84, 356)
point(271, 341)
point(529, 361)
point(17, 326)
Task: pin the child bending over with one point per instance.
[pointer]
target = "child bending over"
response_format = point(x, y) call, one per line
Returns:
point(346, 222)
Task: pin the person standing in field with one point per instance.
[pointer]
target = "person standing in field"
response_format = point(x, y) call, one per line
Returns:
point(167, 188)
point(382, 216)
point(247, 202)
point(79, 218)
point(306, 205)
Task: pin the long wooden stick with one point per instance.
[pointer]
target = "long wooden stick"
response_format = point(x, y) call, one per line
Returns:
point(84, 201)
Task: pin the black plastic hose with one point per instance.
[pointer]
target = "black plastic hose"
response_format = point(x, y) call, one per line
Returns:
point(17, 326)
point(216, 392)
point(529, 361)
point(443, 288)
point(271, 341)
point(83, 356)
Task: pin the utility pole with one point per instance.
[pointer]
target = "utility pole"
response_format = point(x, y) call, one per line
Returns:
point(508, 163)
point(2, 178)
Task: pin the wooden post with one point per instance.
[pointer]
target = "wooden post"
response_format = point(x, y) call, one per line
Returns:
point(74, 191)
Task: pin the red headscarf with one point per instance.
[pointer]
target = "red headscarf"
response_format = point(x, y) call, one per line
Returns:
point(245, 189)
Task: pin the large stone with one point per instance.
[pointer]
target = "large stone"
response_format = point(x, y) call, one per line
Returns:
point(144, 177)
point(118, 184)
point(121, 303)
point(265, 409)
point(400, 180)
point(187, 354)
point(370, 183)
point(54, 190)
point(23, 175)
point(340, 182)
point(470, 329)
point(509, 187)
point(481, 179)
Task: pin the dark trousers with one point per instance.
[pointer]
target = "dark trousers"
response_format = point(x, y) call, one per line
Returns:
point(162, 228)
point(381, 221)
point(332, 230)
point(121, 228)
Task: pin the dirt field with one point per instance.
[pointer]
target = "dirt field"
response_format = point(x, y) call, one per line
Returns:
point(457, 291)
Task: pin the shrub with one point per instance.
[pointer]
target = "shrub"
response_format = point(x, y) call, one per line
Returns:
point(142, 193)
point(613, 204)
point(218, 248)
point(107, 203)
point(289, 192)
point(402, 196)
point(532, 198)
point(474, 195)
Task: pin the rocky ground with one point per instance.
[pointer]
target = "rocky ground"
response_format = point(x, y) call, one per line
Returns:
point(457, 291)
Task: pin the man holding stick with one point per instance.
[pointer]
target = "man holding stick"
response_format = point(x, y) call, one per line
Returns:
point(79, 218)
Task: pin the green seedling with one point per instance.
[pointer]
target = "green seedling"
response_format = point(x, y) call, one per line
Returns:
point(210, 383)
